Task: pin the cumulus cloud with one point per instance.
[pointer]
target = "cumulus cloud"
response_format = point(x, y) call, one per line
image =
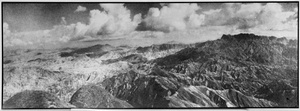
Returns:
point(183, 22)
point(80, 9)
point(114, 20)
point(249, 16)
point(23, 38)
point(40, 38)
point(173, 17)
point(274, 18)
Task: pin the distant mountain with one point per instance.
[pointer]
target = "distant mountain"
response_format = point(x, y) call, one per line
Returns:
point(96, 50)
point(161, 47)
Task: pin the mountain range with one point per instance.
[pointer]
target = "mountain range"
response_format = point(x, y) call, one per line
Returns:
point(243, 70)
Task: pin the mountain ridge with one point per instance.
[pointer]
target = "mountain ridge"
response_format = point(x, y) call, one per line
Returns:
point(243, 70)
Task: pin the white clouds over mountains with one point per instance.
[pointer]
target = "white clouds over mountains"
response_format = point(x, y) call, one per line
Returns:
point(113, 21)
point(116, 20)
point(174, 17)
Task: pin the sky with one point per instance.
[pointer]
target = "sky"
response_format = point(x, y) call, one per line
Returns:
point(43, 25)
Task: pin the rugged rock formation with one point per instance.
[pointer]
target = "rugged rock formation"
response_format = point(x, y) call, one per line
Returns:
point(35, 99)
point(142, 90)
point(201, 96)
point(93, 96)
point(243, 70)
point(279, 91)
point(245, 62)
point(239, 69)
point(160, 89)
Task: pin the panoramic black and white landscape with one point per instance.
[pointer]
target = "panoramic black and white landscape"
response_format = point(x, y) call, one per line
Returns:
point(150, 55)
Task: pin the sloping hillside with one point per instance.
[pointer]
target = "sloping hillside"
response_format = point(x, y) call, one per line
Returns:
point(243, 70)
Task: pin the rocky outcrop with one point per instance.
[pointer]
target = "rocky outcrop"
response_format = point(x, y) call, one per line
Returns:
point(280, 91)
point(94, 96)
point(243, 70)
point(144, 90)
point(160, 89)
point(244, 62)
point(235, 69)
point(35, 99)
point(202, 96)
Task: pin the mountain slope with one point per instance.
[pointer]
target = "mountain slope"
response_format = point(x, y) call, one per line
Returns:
point(243, 70)
point(245, 62)
point(241, 67)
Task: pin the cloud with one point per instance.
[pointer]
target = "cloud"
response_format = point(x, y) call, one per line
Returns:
point(172, 17)
point(272, 11)
point(63, 21)
point(80, 9)
point(147, 38)
point(41, 38)
point(114, 20)
point(249, 16)
point(120, 22)
point(6, 31)
point(23, 38)
point(182, 22)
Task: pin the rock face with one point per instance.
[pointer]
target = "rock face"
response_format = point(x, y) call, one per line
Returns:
point(160, 89)
point(93, 96)
point(234, 71)
point(243, 70)
point(201, 96)
point(245, 62)
point(145, 90)
point(35, 99)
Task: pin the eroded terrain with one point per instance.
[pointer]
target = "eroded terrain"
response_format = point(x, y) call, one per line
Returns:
point(242, 70)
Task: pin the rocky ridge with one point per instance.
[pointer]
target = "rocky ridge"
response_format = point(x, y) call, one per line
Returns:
point(243, 70)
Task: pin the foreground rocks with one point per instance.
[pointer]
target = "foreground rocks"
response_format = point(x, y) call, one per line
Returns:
point(163, 90)
point(144, 90)
point(201, 96)
point(94, 96)
point(35, 99)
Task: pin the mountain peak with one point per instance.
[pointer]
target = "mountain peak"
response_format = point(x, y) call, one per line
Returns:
point(250, 36)
point(241, 36)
